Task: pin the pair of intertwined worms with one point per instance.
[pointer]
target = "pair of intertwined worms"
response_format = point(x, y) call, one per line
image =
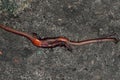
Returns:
point(56, 41)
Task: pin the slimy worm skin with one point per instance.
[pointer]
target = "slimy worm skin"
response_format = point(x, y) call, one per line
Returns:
point(56, 41)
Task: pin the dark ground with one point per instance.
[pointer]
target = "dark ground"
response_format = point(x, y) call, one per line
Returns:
point(75, 19)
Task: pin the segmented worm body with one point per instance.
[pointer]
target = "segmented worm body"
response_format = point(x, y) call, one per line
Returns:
point(56, 41)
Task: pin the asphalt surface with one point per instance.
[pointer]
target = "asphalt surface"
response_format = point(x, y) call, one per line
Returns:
point(74, 19)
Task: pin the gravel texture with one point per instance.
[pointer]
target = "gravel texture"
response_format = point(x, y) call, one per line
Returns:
point(75, 19)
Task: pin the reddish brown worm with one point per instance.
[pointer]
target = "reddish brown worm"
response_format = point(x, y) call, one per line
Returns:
point(56, 41)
